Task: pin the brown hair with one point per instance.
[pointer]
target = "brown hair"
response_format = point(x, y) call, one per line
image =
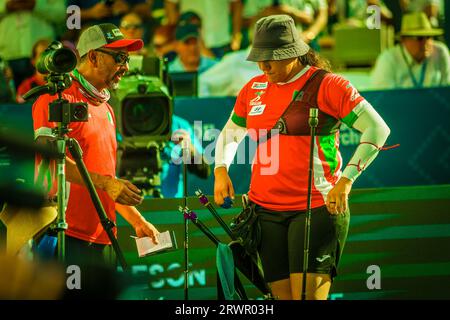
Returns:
point(312, 58)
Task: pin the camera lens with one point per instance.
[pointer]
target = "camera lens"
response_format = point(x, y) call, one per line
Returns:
point(145, 115)
point(142, 88)
point(80, 113)
point(64, 60)
point(60, 60)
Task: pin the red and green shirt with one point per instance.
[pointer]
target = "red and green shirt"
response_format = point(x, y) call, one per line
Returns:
point(279, 178)
point(97, 139)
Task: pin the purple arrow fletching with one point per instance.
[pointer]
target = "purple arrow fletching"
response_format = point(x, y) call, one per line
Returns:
point(203, 200)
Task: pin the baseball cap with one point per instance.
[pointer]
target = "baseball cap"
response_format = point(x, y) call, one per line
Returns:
point(186, 31)
point(105, 35)
point(190, 17)
point(276, 38)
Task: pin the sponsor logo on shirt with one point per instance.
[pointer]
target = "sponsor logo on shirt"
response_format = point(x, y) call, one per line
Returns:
point(257, 110)
point(256, 100)
point(259, 85)
point(323, 258)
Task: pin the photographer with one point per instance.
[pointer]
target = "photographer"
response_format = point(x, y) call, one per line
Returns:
point(104, 60)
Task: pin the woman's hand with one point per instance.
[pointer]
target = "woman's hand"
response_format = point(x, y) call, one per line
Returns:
point(337, 199)
point(223, 187)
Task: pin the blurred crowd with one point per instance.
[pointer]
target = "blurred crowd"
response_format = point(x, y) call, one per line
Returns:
point(212, 37)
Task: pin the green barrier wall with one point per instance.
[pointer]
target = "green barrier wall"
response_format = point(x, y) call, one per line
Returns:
point(405, 232)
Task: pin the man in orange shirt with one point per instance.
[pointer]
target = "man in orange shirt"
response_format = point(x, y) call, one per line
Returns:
point(104, 60)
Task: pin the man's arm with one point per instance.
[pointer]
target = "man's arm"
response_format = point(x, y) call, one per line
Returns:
point(172, 12)
point(236, 12)
point(121, 191)
point(133, 217)
point(317, 26)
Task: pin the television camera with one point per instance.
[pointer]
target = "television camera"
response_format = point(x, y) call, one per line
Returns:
point(144, 109)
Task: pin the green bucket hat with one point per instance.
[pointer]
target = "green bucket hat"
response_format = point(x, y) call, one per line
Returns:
point(276, 38)
point(417, 24)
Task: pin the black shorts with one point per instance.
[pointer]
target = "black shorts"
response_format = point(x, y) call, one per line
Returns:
point(80, 252)
point(282, 242)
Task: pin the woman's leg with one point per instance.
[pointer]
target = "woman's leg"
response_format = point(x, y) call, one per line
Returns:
point(327, 236)
point(281, 289)
point(273, 251)
point(317, 286)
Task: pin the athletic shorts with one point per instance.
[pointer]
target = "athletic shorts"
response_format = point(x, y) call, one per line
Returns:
point(282, 242)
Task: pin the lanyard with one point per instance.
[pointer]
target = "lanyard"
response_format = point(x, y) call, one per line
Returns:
point(411, 74)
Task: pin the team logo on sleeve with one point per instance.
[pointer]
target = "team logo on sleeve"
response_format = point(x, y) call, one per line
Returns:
point(355, 93)
point(259, 85)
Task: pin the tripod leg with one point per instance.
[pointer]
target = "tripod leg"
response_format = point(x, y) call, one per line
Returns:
point(239, 287)
point(61, 225)
point(107, 224)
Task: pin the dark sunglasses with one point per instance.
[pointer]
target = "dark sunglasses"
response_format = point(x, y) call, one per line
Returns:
point(119, 57)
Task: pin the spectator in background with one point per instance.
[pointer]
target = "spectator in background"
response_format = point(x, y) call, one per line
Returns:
point(109, 11)
point(24, 23)
point(6, 83)
point(132, 27)
point(310, 16)
point(190, 17)
point(434, 9)
point(357, 11)
point(143, 8)
point(418, 61)
point(228, 76)
point(216, 22)
point(37, 79)
point(164, 43)
point(188, 48)
point(101, 11)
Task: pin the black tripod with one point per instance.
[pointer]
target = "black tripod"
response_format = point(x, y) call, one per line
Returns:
point(63, 112)
point(313, 122)
point(186, 158)
point(190, 215)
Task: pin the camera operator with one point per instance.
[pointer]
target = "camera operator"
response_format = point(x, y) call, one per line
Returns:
point(104, 60)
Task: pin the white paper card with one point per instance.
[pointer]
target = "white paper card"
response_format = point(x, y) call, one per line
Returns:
point(145, 245)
